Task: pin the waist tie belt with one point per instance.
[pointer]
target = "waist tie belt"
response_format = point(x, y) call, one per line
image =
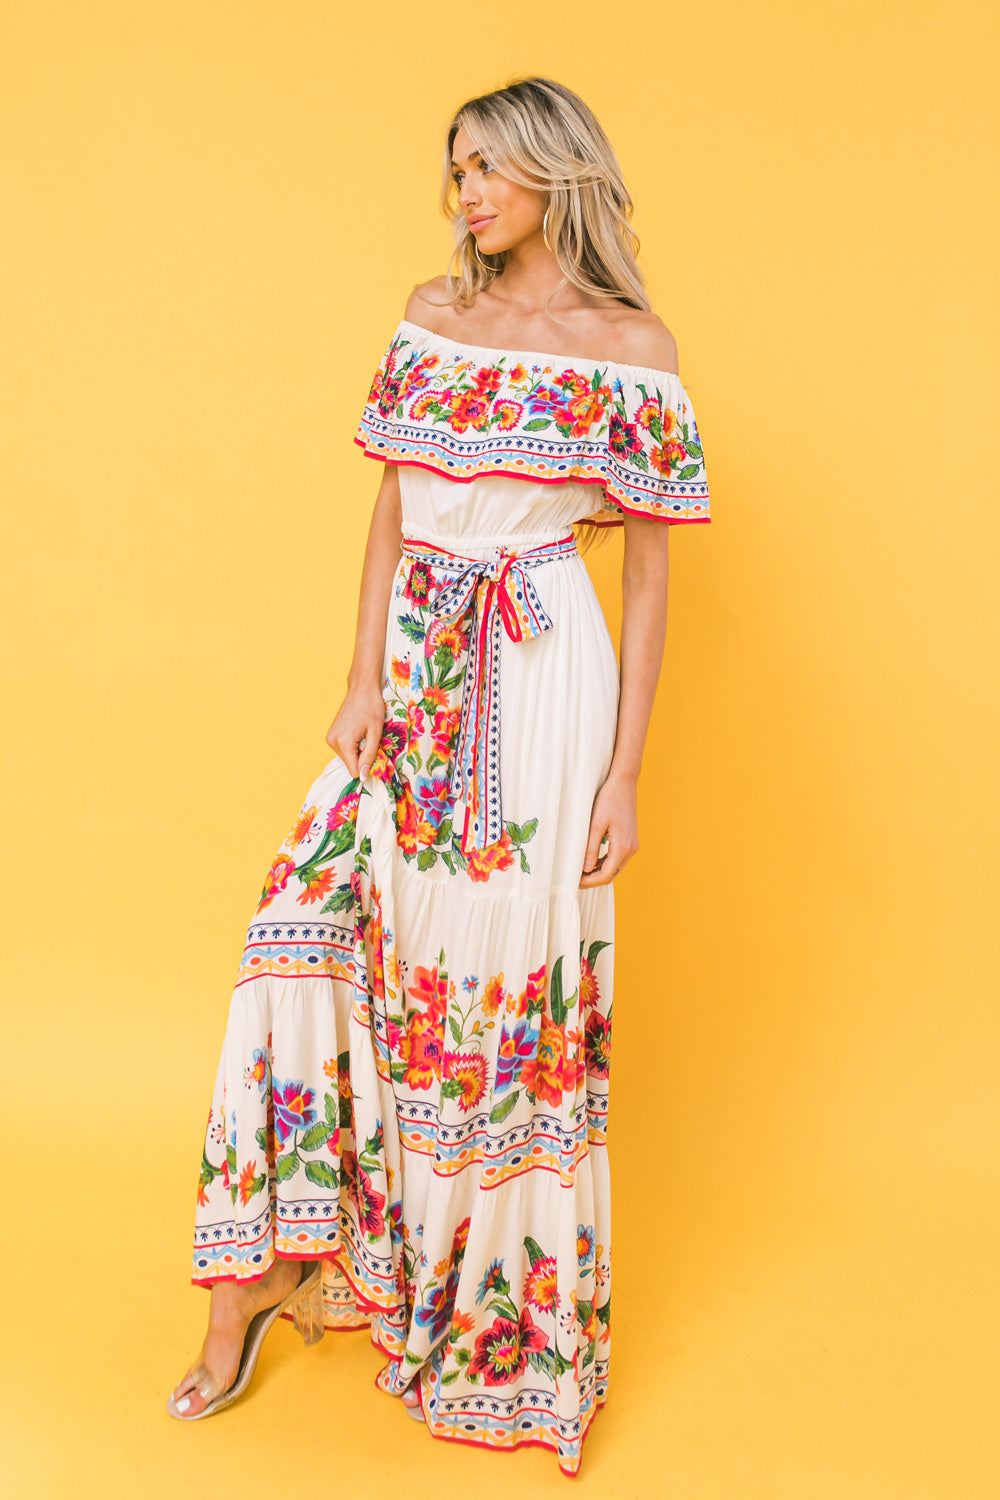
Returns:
point(501, 595)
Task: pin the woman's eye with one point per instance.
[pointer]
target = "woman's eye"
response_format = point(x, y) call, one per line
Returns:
point(484, 166)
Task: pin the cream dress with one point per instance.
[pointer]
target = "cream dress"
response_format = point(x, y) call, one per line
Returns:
point(414, 1077)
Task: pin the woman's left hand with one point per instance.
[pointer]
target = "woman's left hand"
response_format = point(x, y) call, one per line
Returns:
point(616, 817)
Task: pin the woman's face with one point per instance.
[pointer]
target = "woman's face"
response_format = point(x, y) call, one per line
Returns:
point(500, 213)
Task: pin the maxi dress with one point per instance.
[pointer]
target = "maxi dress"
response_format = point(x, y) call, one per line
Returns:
point(413, 1083)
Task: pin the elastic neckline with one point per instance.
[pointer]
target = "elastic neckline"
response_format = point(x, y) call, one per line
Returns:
point(532, 355)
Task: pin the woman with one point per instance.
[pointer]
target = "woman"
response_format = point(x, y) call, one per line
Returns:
point(408, 1126)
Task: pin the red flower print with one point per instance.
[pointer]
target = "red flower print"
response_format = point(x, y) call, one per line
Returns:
point(488, 380)
point(471, 410)
point(367, 1200)
point(445, 731)
point(540, 1285)
point(421, 1051)
point(502, 1350)
point(499, 856)
point(344, 811)
point(461, 1239)
point(598, 1044)
point(468, 1071)
point(419, 583)
point(507, 414)
point(589, 992)
point(550, 1072)
point(430, 989)
point(275, 880)
point(623, 437)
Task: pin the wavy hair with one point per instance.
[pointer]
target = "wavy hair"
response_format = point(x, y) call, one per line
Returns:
point(542, 135)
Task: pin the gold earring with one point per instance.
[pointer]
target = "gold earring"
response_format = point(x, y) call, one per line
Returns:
point(545, 224)
point(475, 251)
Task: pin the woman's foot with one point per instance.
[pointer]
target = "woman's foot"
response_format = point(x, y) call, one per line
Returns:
point(229, 1315)
point(411, 1400)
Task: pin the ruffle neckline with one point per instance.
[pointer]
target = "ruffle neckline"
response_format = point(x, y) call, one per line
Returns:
point(466, 410)
point(537, 357)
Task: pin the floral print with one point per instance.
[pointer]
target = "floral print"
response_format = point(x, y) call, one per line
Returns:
point(413, 1085)
point(468, 411)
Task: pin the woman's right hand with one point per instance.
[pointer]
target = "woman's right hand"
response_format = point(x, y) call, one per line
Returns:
point(357, 729)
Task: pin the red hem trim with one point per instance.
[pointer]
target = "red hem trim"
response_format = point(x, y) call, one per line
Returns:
point(415, 463)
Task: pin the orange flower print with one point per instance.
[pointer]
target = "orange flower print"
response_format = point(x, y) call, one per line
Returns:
point(461, 1324)
point(421, 1052)
point(318, 883)
point(530, 999)
point(668, 422)
point(249, 1183)
point(493, 995)
point(444, 730)
point(507, 414)
point(540, 1285)
point(275, 880)
point(589, 992)
point(414, 723)
point(437, 696)
point(648, 413)
point(375, 935)
point(301, 828)
point(345, 811)
point(585, 410)
point(446, 634)
point(401, 671)
point(545, 1076)
point(202, 1196)
point(468, 1071)
point(430, 989)
point(413, 831)
point(517, 373)
point(330, 1068)
point(498, 856)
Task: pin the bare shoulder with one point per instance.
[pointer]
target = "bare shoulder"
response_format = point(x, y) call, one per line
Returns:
point(645, 339)
point(429, 305)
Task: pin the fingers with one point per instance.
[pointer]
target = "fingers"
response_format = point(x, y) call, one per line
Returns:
point(604, 869)
point(596, 839)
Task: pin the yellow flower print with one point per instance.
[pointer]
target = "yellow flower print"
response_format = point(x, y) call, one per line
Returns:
point(494, 995)
point(300, 829)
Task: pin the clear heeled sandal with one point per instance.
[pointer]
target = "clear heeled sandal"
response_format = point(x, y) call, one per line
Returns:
point(305, 1304)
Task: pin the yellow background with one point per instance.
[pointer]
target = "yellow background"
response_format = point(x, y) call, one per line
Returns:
point(211, 219)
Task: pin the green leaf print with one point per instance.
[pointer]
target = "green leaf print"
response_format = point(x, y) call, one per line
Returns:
point(537, 424)
point(500, 1111)
point(595, 948)
point(287, 1166)
point(341, 900)
point(261, 1138)
point(558, 1007)
point(412, 628)
point(322, 1174)
point(535, 1251)
point(542, 1360)
point(689, 471)
point(451, 1376)
point(315, 1137)
point(426, 858)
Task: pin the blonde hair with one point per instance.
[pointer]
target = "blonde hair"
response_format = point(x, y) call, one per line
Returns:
point(540, 134)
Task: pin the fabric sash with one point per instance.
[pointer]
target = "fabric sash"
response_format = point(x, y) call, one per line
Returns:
point(501, 596)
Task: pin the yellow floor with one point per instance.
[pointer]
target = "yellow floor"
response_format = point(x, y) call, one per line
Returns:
point(803, 1340)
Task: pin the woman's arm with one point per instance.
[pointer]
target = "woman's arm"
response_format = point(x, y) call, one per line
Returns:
point(360, 717)
point(644, 627)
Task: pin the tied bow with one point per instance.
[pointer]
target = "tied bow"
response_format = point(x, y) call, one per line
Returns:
point(502, 598)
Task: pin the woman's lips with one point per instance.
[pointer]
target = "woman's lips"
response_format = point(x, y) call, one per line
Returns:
point(481, 222)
